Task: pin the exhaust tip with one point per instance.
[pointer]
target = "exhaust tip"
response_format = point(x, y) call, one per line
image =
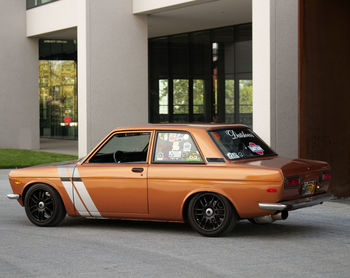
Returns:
point(284, 214)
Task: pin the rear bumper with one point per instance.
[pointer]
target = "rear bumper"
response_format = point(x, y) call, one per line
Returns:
point(297, 204)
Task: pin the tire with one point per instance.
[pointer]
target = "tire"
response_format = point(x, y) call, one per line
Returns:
point(211, 214)
point(44, 206)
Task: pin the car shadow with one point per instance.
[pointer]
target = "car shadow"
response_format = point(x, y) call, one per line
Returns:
point(242, 229)
point(127, 224)
point(277, 229)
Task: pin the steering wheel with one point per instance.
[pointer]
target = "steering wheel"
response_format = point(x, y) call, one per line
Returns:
point(117, 156)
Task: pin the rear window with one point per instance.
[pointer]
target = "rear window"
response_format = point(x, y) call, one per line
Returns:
point(240, 142)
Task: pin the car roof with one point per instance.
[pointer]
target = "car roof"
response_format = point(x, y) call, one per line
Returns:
point(180, 126)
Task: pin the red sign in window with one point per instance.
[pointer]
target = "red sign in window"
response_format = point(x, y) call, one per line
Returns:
point(67, 120)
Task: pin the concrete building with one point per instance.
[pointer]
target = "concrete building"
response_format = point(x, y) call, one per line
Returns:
point(102, 64)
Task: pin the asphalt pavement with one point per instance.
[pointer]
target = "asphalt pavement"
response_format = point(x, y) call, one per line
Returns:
point(312, 242)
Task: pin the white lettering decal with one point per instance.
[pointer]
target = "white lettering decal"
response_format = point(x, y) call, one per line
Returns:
point(236, 135)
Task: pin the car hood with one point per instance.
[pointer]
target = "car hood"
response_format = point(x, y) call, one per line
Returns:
point(42, 171)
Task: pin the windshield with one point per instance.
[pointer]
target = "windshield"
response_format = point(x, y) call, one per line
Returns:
point(240, 142)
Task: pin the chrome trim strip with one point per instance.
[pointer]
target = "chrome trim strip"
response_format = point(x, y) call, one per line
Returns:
point(272, 206)
point(297, 204)
point(13, 196)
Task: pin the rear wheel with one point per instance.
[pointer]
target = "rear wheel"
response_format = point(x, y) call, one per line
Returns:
point(211, 214)
point(43, 205)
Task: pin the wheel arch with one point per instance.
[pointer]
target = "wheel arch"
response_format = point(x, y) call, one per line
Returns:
point(68, 205)
point(190, 196)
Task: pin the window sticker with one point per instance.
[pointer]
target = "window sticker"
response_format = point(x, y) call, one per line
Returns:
point(180, 137)
point(193, 157)
point(172, 137)
point(256, 148)
point(163, 136)
point(160, 156)
point(174, 154)
point(236, 135)
point(187, 147)
point(176, 147)
point(233, 155)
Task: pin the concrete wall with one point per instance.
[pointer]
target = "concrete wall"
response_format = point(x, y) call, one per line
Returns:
point(19, 101)
point(113, 88)
point(59, 15)
point(275, 74)
point(154, 6)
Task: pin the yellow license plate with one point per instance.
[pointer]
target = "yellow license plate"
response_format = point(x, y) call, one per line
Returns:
point(308, 187)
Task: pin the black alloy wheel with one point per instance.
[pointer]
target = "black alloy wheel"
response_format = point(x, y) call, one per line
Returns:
point(44, 206)
point(211, 214)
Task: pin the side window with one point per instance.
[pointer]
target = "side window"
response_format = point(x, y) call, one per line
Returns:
point(176, 147)
point(124, 148)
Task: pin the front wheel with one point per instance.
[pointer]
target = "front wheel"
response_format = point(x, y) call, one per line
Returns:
point(43, 205)
point(211, 214)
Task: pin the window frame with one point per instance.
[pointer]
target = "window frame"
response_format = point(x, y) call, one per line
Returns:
point(109, 137)
point(154, 148)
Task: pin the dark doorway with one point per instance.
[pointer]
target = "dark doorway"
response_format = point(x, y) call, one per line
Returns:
point(203, 76)
point(324, 71)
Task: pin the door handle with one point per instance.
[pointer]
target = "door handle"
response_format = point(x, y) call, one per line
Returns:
point(137, 170)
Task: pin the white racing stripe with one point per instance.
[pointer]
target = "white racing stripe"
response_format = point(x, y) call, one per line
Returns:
point(80, 186)
point(72, 193)
point(80, 206)
point(62, 172)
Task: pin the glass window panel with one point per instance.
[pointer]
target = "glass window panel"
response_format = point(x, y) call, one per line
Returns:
point(243, 54)
point(179, 54)
point(180, 96)
point(176, 147)
point(243, 32)
point(163, 96)
point(223, 34)
point(229, 56)
point(68, 73)
point(58, 99)
point(124, 148)
point(216, 95)
point(159, 57)
point(220, 56)
point(229, 96)
point(198, 96)
point(200, 54)
point(246, 101)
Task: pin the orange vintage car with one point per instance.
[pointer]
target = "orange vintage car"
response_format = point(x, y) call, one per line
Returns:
point(210, 176)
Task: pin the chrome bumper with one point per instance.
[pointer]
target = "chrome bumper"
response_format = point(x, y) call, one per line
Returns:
point(297, 204)
point(13, 196)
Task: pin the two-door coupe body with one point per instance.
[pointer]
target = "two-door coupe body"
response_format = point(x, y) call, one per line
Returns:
point(208, 175)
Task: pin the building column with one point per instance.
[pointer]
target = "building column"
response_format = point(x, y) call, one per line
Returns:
point(19, 102)
point(275, 74)
point(112, 69)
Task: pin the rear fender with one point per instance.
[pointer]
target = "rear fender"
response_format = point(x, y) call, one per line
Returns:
point(191, 194)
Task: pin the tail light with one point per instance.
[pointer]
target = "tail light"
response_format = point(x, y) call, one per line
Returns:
point(326, 176)
point(292, 182)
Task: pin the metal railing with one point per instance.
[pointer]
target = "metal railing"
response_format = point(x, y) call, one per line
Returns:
point(35, 3)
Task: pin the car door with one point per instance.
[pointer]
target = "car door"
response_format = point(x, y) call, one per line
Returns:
point(113, 182)
point(177, 169)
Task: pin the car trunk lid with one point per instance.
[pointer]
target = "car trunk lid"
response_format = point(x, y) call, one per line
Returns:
point(308, 173)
